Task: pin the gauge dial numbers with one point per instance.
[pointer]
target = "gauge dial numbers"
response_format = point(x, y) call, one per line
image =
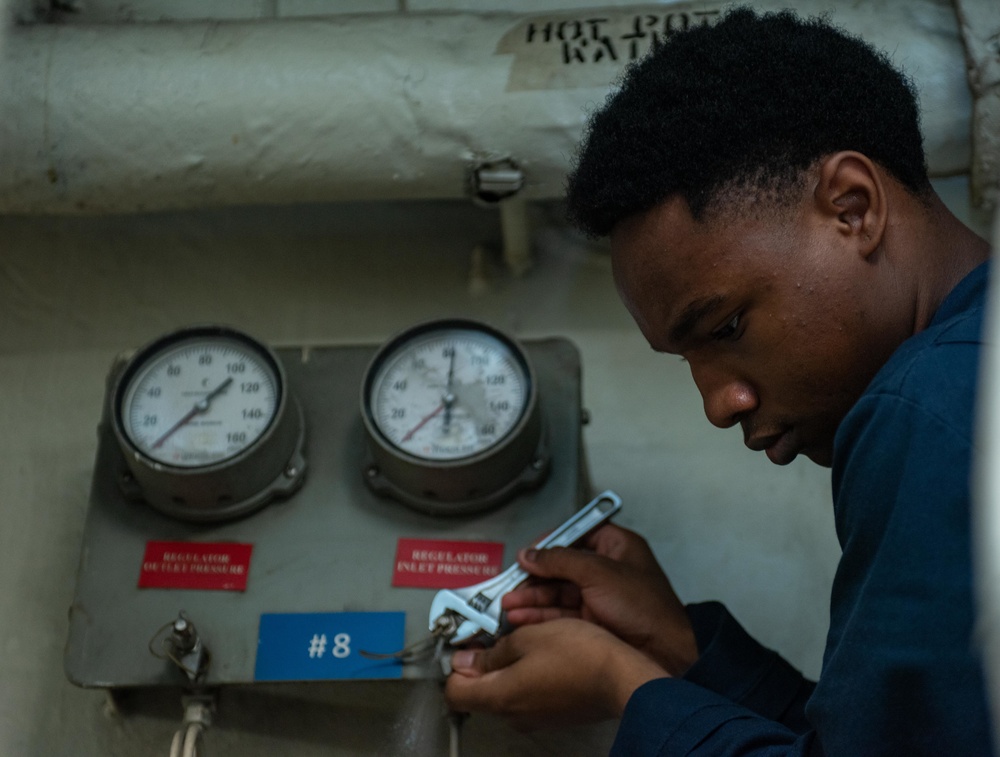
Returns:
point(450, 395)
point(206, 424)
point(452, 417)
point(200, 402)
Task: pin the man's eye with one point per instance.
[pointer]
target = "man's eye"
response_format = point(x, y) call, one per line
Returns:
point(729, 330)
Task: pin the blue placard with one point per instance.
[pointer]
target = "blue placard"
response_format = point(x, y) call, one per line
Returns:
point(316, 646)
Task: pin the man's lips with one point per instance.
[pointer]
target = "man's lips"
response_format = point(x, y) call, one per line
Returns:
point(781, 448)
point(761, 443)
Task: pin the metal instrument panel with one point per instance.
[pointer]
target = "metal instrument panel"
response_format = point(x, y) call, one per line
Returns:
point(330, 547)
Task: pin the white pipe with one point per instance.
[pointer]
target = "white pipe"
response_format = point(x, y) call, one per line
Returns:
point(154, 116)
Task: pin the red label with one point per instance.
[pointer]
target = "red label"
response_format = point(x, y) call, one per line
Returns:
point(434, 564)
point(194, 565)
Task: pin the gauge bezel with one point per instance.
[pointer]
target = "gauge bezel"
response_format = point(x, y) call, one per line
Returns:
point(519, 459)
point(270, 466)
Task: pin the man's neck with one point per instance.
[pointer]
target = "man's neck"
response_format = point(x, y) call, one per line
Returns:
point(948, 251)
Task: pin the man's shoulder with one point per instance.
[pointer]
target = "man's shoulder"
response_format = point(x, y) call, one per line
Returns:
point(933, 364)
point(925, 390)
point(912, 430)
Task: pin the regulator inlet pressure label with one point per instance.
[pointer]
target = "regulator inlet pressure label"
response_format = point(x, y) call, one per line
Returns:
point(325, 646)
point(195, 565)
point(436, 564)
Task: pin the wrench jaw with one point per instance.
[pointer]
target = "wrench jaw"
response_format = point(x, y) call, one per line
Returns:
point(471, 622)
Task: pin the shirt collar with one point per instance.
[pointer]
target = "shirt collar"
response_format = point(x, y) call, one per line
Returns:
point(964, 294)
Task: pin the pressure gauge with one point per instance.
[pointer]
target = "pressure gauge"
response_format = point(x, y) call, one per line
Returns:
point(207, 425)
point(452, 416)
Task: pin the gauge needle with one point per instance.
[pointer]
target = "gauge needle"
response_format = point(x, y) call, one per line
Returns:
point(199, 407)
point(449, 398)
point(415, 429)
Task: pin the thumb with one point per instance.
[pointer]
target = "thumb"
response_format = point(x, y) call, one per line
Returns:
point(467, 662)
point(574, 565)
point(479, 678)
point(476, 662)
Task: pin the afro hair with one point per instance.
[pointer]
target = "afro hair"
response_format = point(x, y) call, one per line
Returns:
point(749, 103)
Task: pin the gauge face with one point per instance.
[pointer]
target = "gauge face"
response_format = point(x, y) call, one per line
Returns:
point(449, 393)
point(200, 400)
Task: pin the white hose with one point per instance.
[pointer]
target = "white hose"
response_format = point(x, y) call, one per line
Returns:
point(192, 741)
point(455, 721)
point(187, 741)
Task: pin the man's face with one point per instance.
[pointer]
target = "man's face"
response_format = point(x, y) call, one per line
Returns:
point(780, 319)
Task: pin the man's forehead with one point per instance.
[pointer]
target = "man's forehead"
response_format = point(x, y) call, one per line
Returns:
point(660, 245)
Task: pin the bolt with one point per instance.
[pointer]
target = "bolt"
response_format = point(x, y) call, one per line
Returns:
point(372, 471)
point(184, 637)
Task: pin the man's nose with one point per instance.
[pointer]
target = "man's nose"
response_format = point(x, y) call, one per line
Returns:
point(727, 397)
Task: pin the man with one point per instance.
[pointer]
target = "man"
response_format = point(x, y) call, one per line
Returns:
point(764, 187)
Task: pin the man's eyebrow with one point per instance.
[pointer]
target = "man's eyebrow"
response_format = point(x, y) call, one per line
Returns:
point(691, 315)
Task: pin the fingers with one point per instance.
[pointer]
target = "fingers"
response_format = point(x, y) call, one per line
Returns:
point(481, 679)
point(609, 548)
point(609, 540)
point(538, 603)
point(556, 594)
point(473, 663)
point(526, 616)
point(621, 544)
point(567, 670)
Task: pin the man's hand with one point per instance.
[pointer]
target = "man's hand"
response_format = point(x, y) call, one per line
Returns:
point(566, 671)
point(616, 584)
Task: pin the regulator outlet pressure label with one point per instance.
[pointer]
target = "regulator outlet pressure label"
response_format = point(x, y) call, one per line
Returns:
point(436, 564)
point(195, 565)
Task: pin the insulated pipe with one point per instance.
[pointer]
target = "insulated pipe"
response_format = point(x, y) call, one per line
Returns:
point(101, 119)
point(979, 22)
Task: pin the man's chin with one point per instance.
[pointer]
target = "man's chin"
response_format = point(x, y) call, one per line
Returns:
point(780, 458)
point(822, 457)
point(787, 448)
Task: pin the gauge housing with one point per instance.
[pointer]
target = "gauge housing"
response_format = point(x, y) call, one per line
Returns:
point(271, 466)
point(517, 460)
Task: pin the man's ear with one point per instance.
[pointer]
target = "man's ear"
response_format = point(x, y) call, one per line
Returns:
point(852, 194)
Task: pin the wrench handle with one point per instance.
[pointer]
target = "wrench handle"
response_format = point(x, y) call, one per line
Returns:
point(602, 507)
